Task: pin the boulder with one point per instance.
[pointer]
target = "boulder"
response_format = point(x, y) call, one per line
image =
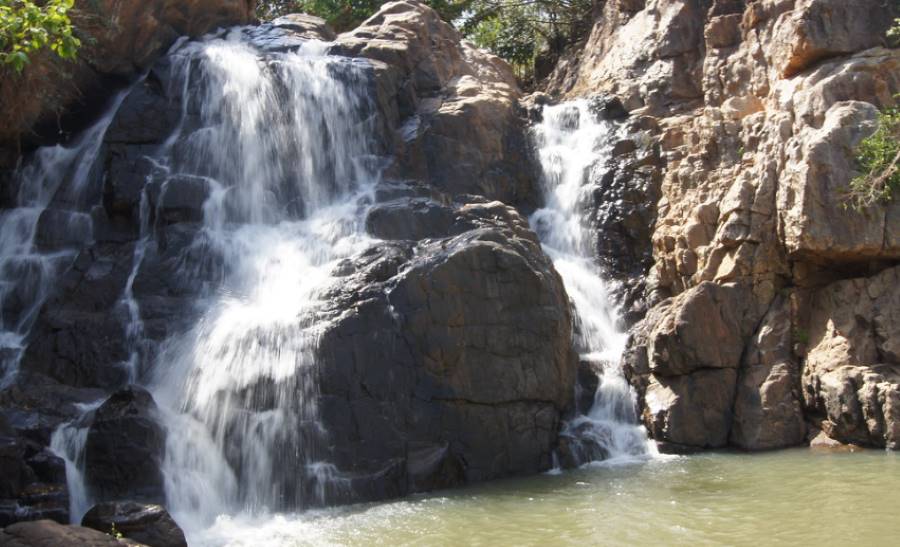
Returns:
point(418, 391)
point(46, 533)
point(125, 447)
point(150, 525)
point(692, 410)
point(702, 328)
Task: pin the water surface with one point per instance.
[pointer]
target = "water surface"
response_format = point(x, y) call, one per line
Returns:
point(788, 497)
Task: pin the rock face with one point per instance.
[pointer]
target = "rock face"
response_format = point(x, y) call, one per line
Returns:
point(150, 525)
point(119, 40)
point(759, 106)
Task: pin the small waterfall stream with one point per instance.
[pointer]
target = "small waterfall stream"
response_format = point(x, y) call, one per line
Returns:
point(41, 235)
point(574, 148)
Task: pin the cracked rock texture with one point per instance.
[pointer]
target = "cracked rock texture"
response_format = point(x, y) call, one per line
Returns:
point(772, 301)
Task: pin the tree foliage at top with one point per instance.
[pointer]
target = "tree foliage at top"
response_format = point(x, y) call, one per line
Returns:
point(27, 27)
point(516, 30)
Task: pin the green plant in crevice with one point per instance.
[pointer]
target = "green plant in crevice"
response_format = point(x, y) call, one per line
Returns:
point(878, 159)
point(114, 532)
point(893, 34)
point(27, 27)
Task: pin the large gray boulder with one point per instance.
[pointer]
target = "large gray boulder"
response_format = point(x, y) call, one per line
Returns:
point(451, 360)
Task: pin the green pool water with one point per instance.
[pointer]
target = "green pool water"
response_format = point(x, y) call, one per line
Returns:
point(792, 497)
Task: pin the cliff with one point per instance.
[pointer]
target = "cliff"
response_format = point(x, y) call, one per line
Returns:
point(772, 301)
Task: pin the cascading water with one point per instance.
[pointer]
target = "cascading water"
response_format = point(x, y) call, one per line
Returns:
point(283, 144)
point(574, 148)
point(41, 235)
point(280, 148)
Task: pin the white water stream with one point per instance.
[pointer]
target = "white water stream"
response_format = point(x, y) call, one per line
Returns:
point(285, 146)
point(574, 148)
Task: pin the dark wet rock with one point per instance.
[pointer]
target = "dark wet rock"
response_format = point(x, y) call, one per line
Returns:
point(181, 199)
point(623, 210)
point(150, 525)
point(145, 116)
point(34, 405)
point(128, 169)
point(409, 218)
point(608, 107)
point(33, 481)
point(457, 364)
point(125, 447)
point(59, 230)
point(79, 338)
point(289, 32)
point(46, 533)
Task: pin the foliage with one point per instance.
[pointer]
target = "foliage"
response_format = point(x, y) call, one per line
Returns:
point(893, 34)
point(519, 30)
point(27, 27)
point(114, 532)
point(878, 157)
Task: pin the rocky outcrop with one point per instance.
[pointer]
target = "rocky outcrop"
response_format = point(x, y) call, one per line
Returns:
point(150, 525)
point(119, 39)
point(459, 126)
point(759, 106)
point(851, 382)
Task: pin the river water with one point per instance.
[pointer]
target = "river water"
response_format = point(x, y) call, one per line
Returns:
point(790, 497)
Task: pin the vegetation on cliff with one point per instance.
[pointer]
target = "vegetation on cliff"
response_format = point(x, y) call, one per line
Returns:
point(27, 27)
point(878, 157)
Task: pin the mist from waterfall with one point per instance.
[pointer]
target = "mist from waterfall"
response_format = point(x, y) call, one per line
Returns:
point(574, 149)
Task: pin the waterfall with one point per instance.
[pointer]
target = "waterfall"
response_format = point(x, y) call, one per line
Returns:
point(283, 142)
point(574, 149)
